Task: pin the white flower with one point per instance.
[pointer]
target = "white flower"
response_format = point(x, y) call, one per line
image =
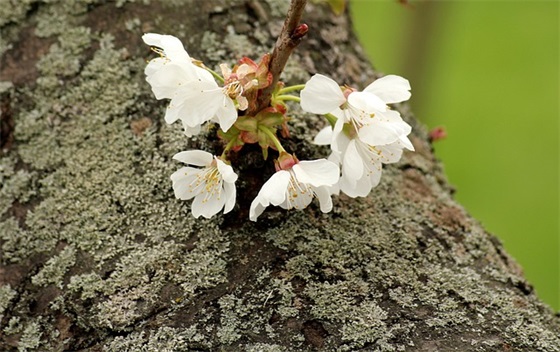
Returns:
point(366, 133)
point(173, 69)
point(296, 186)
point(195, 96)
point(366, 111)
point(361, 162)
point(213, 186)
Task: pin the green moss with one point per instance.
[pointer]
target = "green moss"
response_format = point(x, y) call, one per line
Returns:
point(6, 296)
point(13, 12)
point(31, 338)
point(14, 326)
point(233, 312)
point(264, 347)
point(164, 339)
point(381, 273)
point(278, 9)
point(52, 273)
point(367, 326)
point(15, 184)
point(86, 143)
point(87, 285)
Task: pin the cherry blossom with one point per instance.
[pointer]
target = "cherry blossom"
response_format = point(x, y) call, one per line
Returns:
point(195, 96)
point(296, 185)
point(212, 186)
point(366, 134)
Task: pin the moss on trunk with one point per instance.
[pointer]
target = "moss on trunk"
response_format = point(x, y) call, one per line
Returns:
point(97, 254)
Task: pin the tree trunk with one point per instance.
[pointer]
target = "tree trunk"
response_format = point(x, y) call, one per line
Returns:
point(98, 255)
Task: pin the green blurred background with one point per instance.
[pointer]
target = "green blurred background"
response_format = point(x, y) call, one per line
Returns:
point(489, 72)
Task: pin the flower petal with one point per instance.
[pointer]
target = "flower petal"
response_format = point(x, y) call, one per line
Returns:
point(166, 80)
point(230, 193)
point(184, 185)
point(324, 137)
point(352, 163)
point(317, 172)
point(321, 95)
point(406, 143)
point(207, 206)
point(256, 209)
point(297, 197)
point(324, 196)
point(355, 188)
point(390, 153)
point(228, 175)
point(339, 140)
point(366, 102)
point(273, 191)
point(226, 113)
point(194, 157)
point(380, 132)
point(172, 46)
point(391, 89)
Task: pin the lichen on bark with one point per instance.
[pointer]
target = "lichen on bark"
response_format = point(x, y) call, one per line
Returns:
point(97, 254)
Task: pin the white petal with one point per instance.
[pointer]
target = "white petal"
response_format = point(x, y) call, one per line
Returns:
point(340, 141)
point(256, 209)
point(172, 113)
point(395, 118)
point(204, 100)
point(335, 157)
point(375, 176)
point(352, 163)
point(155, 65)
point(390, 153)
point(184, 105)
point(391, 89)
point(321, 95)
point(355, 188)
point(226, 113)
point(273, 191)
point(366, 102)
point(324, 137)
point(228, 175)
point(379, 133)
point(406, 142)
point(207, 207)
point(298, 197)
point(171, 45)
point(184, 185)
point(191, 131)
point(166, 80)
point(324, 196)
point(317, 172)
point(230, 193)
point(202, 74)
point(194, 157)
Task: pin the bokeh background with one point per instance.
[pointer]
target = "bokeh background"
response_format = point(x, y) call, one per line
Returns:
point(488, 71)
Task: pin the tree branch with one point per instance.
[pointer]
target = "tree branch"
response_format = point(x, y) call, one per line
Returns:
point(290, 36)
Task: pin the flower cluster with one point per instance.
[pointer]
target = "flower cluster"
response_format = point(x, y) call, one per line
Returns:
point(364, 132)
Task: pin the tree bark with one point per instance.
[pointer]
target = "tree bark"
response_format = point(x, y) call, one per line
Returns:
point(98, 255)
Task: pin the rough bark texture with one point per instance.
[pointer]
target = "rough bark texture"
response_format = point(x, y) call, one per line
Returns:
point(97, 254)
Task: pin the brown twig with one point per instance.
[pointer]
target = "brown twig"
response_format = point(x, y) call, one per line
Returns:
point(290, 36)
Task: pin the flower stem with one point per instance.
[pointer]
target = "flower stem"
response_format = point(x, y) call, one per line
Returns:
point(291, 88)
point(215, 74)
point(229, 145)
point(290, 36)
point(331, 118)
point(287, 97)
point(273, 137)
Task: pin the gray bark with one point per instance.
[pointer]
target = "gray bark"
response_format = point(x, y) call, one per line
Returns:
point(97, 254)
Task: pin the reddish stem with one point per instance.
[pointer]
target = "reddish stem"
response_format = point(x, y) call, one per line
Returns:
point(290, 36)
